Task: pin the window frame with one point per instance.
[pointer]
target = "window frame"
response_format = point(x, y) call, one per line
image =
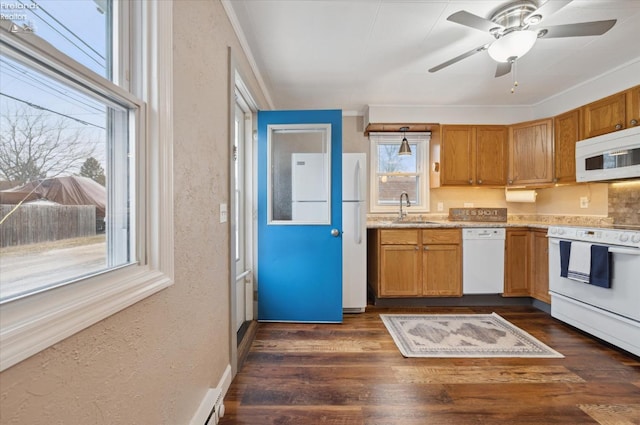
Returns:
point(422, 140)
point(35, 322)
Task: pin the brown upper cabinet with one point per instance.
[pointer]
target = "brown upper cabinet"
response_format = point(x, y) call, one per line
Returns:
point(612, 113)
point(633, 107)
point(531, 153)
point(473, 155)
point(566, 128)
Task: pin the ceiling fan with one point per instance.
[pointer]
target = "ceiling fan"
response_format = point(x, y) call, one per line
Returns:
point(515, 27)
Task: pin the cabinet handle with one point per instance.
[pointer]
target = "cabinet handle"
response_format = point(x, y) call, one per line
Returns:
point(510, 181)
point(634, 122)
point(618, 126)
point(479, 181)
point(417, 248)
point(426, 248)
point(470, 181)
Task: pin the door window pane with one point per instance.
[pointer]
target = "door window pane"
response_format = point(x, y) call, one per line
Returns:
point(299, 181)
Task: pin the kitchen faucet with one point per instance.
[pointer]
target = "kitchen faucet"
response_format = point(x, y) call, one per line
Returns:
point(402, 214)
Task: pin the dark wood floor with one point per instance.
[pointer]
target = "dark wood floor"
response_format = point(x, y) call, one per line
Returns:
point(352, 373)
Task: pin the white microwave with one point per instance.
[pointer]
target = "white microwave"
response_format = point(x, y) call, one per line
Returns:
point(610, 157)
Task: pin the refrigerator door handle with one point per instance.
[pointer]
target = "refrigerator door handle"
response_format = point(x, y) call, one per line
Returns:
point(358, 232)
point(356, 180)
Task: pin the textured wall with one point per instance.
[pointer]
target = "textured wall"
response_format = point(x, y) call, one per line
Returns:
point(624, 202)
point(152, 363)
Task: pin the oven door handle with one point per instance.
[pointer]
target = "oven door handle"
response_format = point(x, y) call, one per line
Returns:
point(612, 249)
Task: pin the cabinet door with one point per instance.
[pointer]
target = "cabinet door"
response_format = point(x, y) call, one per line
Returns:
point(531, 152)
point(567, 132)
point(605, 115)
point(399, 271)
point(490, 150)
point(457, 165)
point(633, 107)
point(441, 271)
point(540, 266)
point(517, 256)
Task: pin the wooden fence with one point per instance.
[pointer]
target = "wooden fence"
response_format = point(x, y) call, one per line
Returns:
point(40, 223)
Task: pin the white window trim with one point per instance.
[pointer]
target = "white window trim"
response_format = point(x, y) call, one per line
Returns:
point(422, 139)
point(33, 323)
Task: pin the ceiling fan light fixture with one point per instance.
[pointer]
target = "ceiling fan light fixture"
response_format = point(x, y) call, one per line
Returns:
point(513, 44)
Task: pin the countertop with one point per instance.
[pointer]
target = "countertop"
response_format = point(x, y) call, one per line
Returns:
point(394, 224)
point(427, 221)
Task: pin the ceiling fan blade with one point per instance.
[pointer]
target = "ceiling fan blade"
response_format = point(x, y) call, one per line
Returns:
point(549, 8)
point(459, 58)
point(577, 30)
point(474, 21)
point(503, 68)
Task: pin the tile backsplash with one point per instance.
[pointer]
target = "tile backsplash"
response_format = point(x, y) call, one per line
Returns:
point(624, 203)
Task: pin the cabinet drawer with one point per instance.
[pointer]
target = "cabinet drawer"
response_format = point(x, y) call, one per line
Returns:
point(399, 236)
point(441, 236)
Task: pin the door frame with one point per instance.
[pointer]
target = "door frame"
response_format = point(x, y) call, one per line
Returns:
point(237, 86)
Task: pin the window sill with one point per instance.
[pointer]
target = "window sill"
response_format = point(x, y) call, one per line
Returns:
point(33, 323)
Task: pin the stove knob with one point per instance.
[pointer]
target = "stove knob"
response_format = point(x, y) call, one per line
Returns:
point(553, 231)
point(635, 238)
point(561, 231)
point(624, 237)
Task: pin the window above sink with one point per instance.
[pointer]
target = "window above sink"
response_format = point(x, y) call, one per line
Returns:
point(392, 174)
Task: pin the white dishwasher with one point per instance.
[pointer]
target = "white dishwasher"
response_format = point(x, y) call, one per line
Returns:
point(483, 260)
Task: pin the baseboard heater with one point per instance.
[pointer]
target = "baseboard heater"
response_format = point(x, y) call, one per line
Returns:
point(211, 409)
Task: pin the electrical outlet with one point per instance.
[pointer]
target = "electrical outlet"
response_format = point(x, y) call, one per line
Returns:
point(223, 213)
point(468, 204)
point(584, 202)
point(440, 206)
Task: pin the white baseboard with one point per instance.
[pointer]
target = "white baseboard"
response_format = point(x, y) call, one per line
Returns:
point(213, 399)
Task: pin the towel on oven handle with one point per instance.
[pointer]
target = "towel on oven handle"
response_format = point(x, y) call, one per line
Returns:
point(580, 262)
point(600, 267)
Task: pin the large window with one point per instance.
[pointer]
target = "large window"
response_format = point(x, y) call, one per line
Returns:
point(67, 151)
point(393, 174)
point(75, 167)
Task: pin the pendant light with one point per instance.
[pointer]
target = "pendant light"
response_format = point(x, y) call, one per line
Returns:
point(405, 149)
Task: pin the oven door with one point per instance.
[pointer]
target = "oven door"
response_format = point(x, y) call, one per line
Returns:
point(623, 298)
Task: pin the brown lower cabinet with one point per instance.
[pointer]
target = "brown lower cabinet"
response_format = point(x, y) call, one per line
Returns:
point(527, 264)
point(428, 263)
point(415, 262)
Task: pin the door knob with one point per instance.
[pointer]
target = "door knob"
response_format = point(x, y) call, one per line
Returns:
point(335, 233)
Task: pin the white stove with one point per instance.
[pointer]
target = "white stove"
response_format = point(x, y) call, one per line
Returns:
point(620, 236)
point(610, 313)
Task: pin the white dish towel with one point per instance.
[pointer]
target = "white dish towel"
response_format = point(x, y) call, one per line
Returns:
point(580, 262)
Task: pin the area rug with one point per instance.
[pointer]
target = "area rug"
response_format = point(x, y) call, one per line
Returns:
point(462, 335)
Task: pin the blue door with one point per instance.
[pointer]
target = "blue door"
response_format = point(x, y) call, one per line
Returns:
point(299, 216)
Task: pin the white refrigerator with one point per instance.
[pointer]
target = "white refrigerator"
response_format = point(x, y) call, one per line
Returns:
point(309, 194)
point(354, 232)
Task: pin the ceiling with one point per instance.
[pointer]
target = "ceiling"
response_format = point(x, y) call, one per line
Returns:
point(346, 54)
